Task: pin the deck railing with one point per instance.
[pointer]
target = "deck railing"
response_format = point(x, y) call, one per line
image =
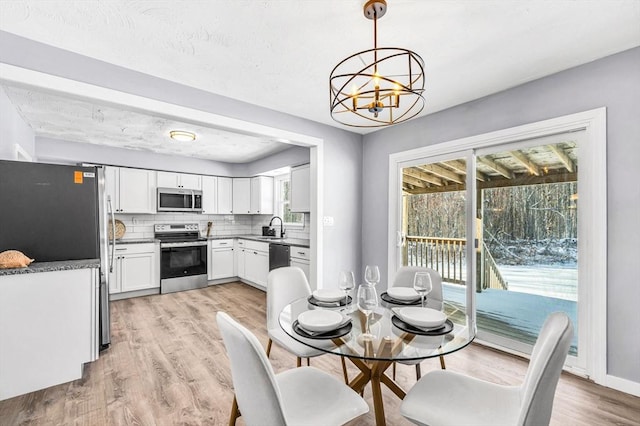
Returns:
point(448, 257)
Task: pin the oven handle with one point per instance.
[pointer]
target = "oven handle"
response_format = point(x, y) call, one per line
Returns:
point(183, 244)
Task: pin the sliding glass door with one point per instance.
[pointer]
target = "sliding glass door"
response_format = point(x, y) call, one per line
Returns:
point(500, 225)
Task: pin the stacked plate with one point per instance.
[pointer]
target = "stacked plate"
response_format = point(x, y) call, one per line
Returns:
point(327, 298)
point(401, 296)
point(322, 324)
point(423, 321)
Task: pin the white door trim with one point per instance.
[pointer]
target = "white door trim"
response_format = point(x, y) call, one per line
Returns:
point(592, 207)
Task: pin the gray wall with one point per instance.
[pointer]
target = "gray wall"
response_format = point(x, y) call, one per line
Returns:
point(342, 149)
point(614, 83)
point(14, 130)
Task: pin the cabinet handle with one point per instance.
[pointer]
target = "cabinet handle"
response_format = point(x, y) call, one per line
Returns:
point(301, 252)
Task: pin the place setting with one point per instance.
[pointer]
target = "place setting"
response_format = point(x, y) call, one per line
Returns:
point(322, 324)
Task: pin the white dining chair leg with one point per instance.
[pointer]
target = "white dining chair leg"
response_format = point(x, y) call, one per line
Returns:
point(308, 362)
point(298, 361)
point(235, 412)
point(442, 363)
point(394, 371)
point(418, 373)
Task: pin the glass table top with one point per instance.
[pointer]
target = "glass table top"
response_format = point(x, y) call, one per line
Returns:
point(385, 342)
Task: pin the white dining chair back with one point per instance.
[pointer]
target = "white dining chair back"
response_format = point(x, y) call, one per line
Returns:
point(447, 398)
point(545, 367)
point(299, 396)
point(404, 278)
point(253, 377)
point(284, 285)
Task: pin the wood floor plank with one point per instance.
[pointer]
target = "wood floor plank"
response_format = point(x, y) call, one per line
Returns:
point(167, 365)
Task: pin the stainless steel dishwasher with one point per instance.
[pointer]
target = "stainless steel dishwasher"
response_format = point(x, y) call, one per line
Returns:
point(278, 255)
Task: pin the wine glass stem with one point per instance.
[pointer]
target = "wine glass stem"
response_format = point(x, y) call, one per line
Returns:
point(423, 300)
point(367, 325)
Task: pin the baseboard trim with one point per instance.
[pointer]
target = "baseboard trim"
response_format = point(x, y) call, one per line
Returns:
point(622, 385)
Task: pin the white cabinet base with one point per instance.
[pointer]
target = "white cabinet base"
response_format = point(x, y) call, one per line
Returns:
point(48, 328)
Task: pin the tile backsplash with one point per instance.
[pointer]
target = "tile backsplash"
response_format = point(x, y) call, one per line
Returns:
point(141, 225)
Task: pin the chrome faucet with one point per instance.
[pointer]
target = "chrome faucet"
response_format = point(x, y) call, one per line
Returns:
point(281, 225)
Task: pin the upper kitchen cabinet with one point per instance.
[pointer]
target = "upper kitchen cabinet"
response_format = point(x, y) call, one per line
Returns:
point(209, 195)
point(300, 189)
point(131, 190)
point(179, 180)
point(262, 195)
point(241, 196)
point(225, 195)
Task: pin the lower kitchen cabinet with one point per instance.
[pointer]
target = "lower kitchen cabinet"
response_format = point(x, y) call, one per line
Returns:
point(252, 261)
point(300, 257)
point(135, 267)
point(221, 259)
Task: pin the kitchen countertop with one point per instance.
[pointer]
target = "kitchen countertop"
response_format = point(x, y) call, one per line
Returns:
point(137, 241)
point(64, 265)
point(288, 241)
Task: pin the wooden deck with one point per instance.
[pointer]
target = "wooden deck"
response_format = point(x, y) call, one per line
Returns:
point(513, 314)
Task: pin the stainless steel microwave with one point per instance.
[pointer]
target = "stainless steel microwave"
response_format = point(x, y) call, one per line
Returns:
point(179, 200)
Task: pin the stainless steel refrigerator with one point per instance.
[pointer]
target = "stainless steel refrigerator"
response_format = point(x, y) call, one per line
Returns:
point(55, 212)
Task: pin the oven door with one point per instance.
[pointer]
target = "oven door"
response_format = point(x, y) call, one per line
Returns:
point(183, 259)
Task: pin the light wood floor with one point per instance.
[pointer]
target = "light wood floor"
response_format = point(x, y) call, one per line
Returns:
point(167, 365)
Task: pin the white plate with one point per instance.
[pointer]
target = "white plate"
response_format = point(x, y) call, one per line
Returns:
point(422, 317)
point(320, 320)
point(328, 295)
point(403, 293)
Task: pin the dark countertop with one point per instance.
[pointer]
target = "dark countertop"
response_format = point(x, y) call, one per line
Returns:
point(288, 241)
point(136, 241)
point(65, 265)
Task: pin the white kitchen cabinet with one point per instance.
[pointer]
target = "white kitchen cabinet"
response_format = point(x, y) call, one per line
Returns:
point(179, 180)
point(300, 257)
point(239, 257)
point(225, 195)
point(209, 195)
point(300, 200)
point(262, 195)
point(256, 262)
point(221, 259)
point(131, 190)
point(49, 328)
point(241, 195)
point(135, 267)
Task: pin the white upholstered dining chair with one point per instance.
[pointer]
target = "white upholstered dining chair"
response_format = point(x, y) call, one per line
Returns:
point(300, 396)
point(284, 285)
point(404, 278)
point(447, 398)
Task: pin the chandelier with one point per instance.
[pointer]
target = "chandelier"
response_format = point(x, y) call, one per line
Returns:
point(377, 87)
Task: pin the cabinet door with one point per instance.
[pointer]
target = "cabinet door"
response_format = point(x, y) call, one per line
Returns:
point(225, 195)
point(168, 180)
point(302, 265)
point(137, 271)
point(241, 195)
point(222, 263)
point(137, 191)
point(240, 258)
point(262, 195)
point(257, 266)
point(209, 195)
point(189, 181)
point(300, 189)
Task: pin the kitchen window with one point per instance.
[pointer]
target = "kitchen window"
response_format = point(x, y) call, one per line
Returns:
point(282, 201)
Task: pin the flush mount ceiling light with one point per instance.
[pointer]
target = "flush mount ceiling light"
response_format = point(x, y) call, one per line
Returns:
point(182, 136)
point(377, 87)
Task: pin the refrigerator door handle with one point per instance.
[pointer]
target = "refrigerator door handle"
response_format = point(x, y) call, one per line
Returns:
point(113, 233)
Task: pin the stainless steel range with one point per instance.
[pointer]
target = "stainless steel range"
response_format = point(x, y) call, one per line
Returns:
point(183, 257)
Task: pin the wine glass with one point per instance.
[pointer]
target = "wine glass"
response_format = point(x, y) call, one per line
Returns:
point(372, 274)
point(367, 302)
point(347, 283)
point(422, 284)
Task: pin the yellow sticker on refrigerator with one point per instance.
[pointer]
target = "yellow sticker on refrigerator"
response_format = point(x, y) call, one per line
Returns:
point(77, 177)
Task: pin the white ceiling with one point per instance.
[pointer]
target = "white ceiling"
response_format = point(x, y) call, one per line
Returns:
point(279, 54)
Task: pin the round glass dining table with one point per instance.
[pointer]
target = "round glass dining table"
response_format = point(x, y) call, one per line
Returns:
point(388, 341)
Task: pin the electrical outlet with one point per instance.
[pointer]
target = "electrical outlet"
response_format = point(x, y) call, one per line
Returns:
point(327, 221)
